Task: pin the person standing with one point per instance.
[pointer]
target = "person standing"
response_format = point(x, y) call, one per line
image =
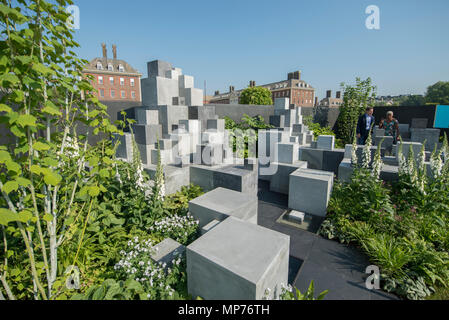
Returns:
point(364, 125)
point(391, 126)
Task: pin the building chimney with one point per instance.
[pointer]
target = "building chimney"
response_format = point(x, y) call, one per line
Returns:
point(217, 92)
point(114, 51)
point(316, 101)
point(296, 75)
point(105, 51)
point(328, 93)
point(231, 89)
point(338, 95)
point(252, 83)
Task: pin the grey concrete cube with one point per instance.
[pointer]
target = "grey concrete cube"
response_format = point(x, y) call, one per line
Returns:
point(325, 142)
point(278, 121)
point(279, 181)
point(281, 103)
point(209, 154)
point(310, 190)
point(221, 203)
point(288, 152)
point(416, 147)
point(430, 136)
point(216, 124)
point(419, 123)
point(147, 134)
point(238, 260)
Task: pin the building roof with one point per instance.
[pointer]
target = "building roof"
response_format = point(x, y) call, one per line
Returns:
point(127, 69)
point(279, 85)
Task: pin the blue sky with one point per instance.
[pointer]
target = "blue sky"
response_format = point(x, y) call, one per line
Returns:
point(232, 42)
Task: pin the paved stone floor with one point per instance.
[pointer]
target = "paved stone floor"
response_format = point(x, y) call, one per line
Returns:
point(331, 265)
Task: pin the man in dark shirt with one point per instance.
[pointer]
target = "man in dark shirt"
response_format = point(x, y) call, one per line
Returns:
point(364, 125)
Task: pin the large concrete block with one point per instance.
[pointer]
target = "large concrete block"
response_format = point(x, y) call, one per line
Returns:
point(310, 190)
point(192, 96)
point(325, 142)
point(167, 156)
point(279, 181)
point(278, 121)
point(175, 177)
point(281, 103)
point(145, 116)
point(159, 90)
point(430, 136)
point(416, 147)
point(232, 177)
point(125, 148)
point(185, 81)
point(239, 261)
point(209, 154)
point(145, 151)
point(419, 123)
point(221, 203)
point(158, 68)
point(378, 132)
point(288, 152)
point(386, 144)
point(217, 125)
point(147, 134)
point(319, 159)
point(299, 128)
point(290, 116)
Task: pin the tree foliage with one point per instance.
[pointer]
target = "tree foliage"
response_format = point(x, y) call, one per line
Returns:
point(256, 96)
point(438, 93)
point(50, 175)
point(356, 99)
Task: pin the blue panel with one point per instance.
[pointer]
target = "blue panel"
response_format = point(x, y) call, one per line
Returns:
point(442, 117)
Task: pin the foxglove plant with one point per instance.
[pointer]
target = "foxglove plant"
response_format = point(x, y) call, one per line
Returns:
point(137, 164)
point(436, 163)
point(403, 168)
point(159, 183)
point(377, 163)
point(366, 154)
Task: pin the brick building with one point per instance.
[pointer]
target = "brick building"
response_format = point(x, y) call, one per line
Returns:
point(114, 79)
point(300, 92)
point(331, 102)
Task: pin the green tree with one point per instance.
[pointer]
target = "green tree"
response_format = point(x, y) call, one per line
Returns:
point(356, 99)
point(414, 100)
point(438, 93)
point(256, 95)
point(43, 175)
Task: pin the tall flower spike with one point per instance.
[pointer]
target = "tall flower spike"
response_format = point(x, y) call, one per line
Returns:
point(366, 154)
point(137, 163)
point(436, 163)
point(403, 170)
point(159, 182)
point(377, 163)
point(445, 149)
